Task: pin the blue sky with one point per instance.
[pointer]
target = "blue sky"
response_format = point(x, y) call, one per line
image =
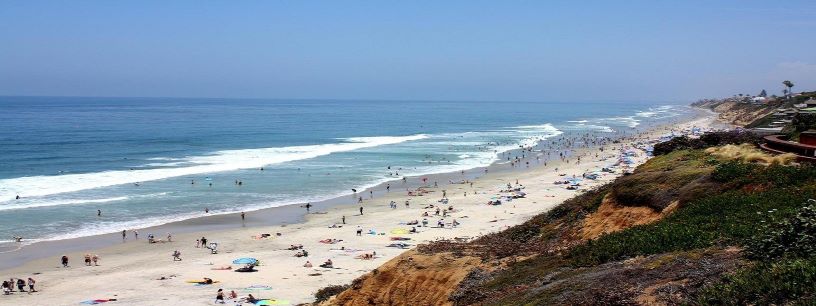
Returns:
point(428, 50)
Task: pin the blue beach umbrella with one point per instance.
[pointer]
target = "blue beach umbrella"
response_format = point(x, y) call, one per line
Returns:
point(245, 261)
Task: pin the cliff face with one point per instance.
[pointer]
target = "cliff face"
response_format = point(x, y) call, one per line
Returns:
point(738, 113)
point(410, 279)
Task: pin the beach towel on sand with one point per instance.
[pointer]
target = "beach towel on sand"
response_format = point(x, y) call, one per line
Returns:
point(98, 301)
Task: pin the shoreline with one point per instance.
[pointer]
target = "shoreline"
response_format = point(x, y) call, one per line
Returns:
point(270, 216)
point(312, 226)
point(13, 254)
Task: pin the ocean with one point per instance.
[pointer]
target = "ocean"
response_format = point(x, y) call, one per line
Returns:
point(150, 161)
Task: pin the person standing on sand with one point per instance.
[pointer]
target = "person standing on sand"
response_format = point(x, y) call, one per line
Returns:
point(361, 210)
point(243, 216)
point(31, 285)
point(344, 219)
point(95, 259)
point(220, 296)
point(21, 285)
point(135, 234)
point(124, 235)
point(64, 261)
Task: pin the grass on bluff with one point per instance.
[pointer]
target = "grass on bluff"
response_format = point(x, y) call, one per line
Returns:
point(678, 175)
point(726, 218)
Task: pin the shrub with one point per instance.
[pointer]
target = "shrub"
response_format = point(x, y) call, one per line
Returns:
point(776, 283)
point(707, 140)
point(327, 292)
point(791, 237)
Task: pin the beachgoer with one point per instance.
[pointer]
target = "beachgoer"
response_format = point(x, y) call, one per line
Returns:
point(207, 209)
point(220, 296)
point(307, 264)
point(359, 231)
point(124, 234)
point(176, 255)
point(198, 243)
point(344, 219)
point(361, 210)
point(98, 212)
point(251, 299)
point(308, 206)
point(64, 261)
point(135, 234)
point(87, 259)
point(31, 283)
point(233, 294)
point(95, 259)
point(169, 237)
point(243, 216)
point(203, 242)
point(21, 285)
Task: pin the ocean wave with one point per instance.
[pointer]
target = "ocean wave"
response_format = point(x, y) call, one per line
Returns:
point(219, 161)
point(541, 127)
point(39, 202)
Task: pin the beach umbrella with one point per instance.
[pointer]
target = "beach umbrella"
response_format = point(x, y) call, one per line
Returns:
point(245, 261)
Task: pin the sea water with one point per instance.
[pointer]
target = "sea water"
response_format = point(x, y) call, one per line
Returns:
point(150, 161)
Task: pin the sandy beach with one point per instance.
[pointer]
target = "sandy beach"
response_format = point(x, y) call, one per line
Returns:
point(139, 273)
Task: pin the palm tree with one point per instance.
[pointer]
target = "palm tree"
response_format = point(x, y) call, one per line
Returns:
point(789, 85)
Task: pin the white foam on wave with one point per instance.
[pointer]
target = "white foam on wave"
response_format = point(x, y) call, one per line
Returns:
point(39, 202)
point(220, 161)
point(602, 128)
point(26, 203)
point(646, 114)
point(539, 128)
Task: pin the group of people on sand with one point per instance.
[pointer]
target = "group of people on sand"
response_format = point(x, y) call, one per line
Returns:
point(220, 298)
point(8, 286)
point(91, 258)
